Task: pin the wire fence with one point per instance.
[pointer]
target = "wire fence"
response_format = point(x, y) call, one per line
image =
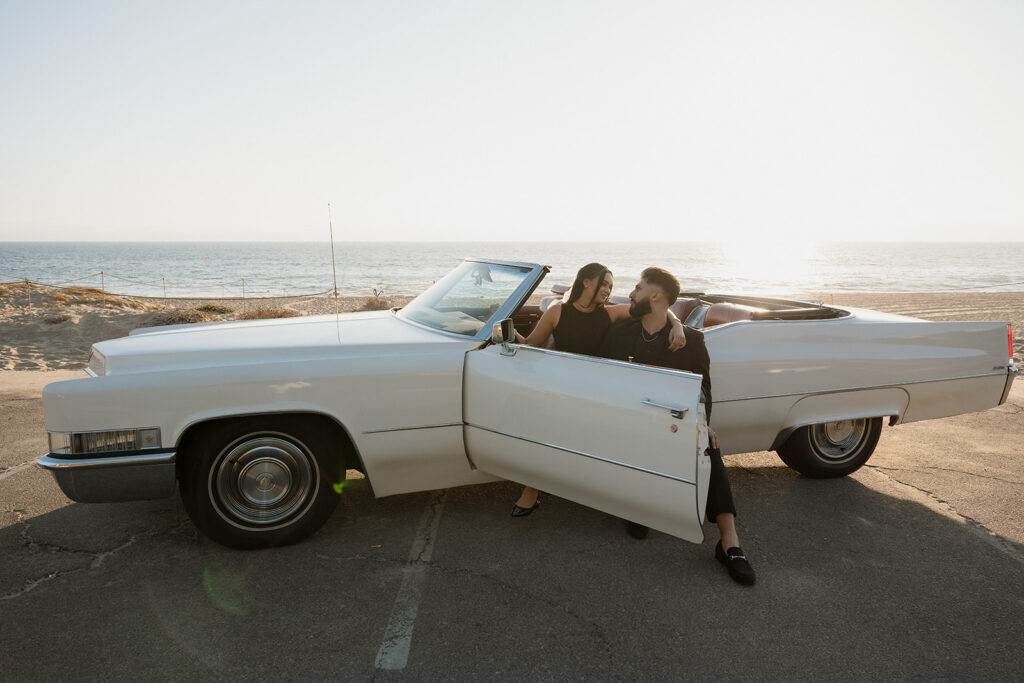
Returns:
point(241, 289)
point(162, 288)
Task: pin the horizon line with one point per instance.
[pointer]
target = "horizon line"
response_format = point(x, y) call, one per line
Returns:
point(510, 241)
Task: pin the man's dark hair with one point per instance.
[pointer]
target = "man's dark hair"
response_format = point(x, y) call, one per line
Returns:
point(663, 280)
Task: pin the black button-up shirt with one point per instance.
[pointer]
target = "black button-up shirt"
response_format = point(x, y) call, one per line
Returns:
point(627, 340)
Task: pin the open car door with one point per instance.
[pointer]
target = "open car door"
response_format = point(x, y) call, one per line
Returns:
point(614, 436)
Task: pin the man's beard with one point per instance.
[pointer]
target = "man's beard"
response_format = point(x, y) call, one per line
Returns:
point(638, 309)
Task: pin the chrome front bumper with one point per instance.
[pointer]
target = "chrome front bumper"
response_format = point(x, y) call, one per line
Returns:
point(113, 479)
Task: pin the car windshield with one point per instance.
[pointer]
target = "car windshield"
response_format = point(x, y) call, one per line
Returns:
point(465, 299)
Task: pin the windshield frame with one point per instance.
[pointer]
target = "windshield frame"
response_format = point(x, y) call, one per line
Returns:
point(535, 273)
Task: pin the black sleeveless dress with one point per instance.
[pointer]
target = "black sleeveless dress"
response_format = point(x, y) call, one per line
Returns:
point(579, 332)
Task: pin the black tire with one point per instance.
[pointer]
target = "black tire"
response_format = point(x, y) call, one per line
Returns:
point(259, 482)
point(831, 449)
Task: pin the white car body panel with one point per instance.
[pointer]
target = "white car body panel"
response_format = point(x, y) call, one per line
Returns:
point(588, 436)
point(769, 377)
point(231, 369)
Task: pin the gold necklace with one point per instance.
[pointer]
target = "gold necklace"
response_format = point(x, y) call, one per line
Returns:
point(643, 334)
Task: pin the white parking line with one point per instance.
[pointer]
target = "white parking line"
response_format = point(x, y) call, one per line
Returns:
point(394, 650)
point(16, 468)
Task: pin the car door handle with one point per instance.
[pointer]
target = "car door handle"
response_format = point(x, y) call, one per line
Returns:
point(677, 413)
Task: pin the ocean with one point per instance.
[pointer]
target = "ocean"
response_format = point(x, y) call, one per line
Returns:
point(235, 269)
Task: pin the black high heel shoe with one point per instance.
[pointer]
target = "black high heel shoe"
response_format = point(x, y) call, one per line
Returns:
point(523, 512)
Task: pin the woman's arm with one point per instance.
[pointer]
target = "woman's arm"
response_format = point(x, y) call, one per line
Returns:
point(676, 338)
point(544, 327)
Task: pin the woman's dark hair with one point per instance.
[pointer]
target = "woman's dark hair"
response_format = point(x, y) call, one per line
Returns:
point(587, 272)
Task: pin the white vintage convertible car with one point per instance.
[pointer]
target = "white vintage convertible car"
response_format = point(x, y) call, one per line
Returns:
point(257, 422)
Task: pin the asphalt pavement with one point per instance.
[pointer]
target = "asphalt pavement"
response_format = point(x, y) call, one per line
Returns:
point(911, 568)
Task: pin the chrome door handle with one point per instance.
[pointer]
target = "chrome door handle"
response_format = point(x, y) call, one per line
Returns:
point(677, 413)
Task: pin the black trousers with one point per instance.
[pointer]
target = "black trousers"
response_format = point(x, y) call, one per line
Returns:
point(719, 491)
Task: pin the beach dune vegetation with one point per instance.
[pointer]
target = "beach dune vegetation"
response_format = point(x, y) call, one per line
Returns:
point(264, 313)
point(215, 308)
point(180, 316)
point(376, 302)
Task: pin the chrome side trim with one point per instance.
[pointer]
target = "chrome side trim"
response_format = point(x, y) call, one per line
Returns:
point(406, 429)
point(864, 388)
point(586, 455)
point(606, 361)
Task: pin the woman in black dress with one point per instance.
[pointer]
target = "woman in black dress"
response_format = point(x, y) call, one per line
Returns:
point(578, 325)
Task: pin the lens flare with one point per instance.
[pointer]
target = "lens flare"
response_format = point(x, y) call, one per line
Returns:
point(226, 589)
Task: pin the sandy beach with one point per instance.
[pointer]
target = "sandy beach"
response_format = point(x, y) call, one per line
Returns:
point(45, 329)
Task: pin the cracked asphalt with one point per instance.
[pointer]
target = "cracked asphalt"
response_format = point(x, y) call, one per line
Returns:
point(912, 568)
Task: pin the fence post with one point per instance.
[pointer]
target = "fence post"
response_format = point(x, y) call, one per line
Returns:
point(164, 280)
point(103, 288)
point(28, 290)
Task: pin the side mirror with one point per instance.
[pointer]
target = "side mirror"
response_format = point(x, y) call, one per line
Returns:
point(503, 333)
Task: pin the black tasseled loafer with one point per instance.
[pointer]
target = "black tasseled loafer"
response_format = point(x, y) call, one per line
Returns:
point(736, 562)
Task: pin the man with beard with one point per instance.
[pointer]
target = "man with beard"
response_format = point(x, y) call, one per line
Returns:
point(644, 339)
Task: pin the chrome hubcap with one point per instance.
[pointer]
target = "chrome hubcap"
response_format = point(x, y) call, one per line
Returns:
point(262, 481)
point(838, 441)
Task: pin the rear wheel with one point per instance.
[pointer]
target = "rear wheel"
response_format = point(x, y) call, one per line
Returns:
point(831, 449)
point(261, 482)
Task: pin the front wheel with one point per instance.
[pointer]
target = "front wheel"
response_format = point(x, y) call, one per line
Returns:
point(831, 449)
point(256, 483)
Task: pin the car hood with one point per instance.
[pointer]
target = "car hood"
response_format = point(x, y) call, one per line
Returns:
point(260, 341)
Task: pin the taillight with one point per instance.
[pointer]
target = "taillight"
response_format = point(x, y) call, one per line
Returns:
point(1009, 339)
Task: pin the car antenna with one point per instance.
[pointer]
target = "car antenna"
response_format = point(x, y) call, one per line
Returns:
point(334, 271)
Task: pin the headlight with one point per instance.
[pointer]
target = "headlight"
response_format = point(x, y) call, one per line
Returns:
point(112, 441)
point(97, 363)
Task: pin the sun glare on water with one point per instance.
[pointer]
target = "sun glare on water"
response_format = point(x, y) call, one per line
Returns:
point(764, 266)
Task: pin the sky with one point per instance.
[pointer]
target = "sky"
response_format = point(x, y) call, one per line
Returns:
point(519, 120)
